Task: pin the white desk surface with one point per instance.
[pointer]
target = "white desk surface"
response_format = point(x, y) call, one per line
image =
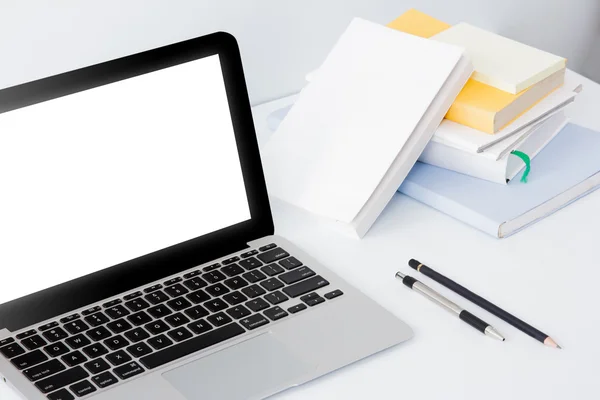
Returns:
point(548, 274)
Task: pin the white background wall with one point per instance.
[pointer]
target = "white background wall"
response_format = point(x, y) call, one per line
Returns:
point(280, 39)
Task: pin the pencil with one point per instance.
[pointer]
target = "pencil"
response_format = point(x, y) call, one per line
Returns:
point(483, 303)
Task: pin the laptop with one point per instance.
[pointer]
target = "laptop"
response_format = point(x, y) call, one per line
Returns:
point(138, 255)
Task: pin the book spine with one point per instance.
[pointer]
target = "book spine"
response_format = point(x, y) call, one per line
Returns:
point(473, 117)
point(449, 207)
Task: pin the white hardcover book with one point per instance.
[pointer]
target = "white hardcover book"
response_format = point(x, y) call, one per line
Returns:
point(465, 138)
point(501, 62)
point(484, 165)
point(357, 130)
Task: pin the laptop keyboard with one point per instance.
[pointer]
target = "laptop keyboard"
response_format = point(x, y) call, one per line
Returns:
point(118, 340)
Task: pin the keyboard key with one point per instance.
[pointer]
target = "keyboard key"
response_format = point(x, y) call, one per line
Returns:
point(253, 291)
point(77, 341)
point(6, 341)
point(179, 304)
point(139, 318)
point(215, 305)
point(197, 297)
point(62, 379)
point(96, 319)
point(267, 247)
point(176, 320)
point(153, 288)
point(116, 312)
point(253, 322)
point(160, 311)
point(236, 283)
point(113, 303)
point(99, 333)
point(62, 394)
point(334, 294)
point(290, 263)
point(192, 274)
point(136, 335)
point(296, 275)
point(116, 342)
point(74, 358)
point(56, 349)
point(315, 301)
point(176, 290)
point(104, 380)
point(273, 255)
point(235, 298)
point(192, 346)
point(271, 284)
point(119, 326)
point(137, 305)
point(257, 305)
point(254, 276)
point(250, 263)
point(305, 286)
point(97, 366)
point(34, 342)
point(213, 277)
point(139, 350)
point(12, 350)
point(118, 358)
point(297, 308)
point(55, 334)
point(272, 269)
point(211, 267)
point(195, 283)
point(196, 312)
point(276, 297)
point(250, 253)
point(70, 318)
point(180, 334)
point(219, 319)
point(43, 370)
point(26, 334)
point(230, 260)
point(160, 342)
point(157, 327)
point(217, 290)
point(132, 296)
point(199, 327)
point(76, 326)
point(276, 313)
point(91, 310)
point(82, 388)
point(129, 370)
point(95, 350)
point(48, 326)
point(29, 360)
point(173, 281)
point(238, 312)
point(232, 270)
point(157, 297)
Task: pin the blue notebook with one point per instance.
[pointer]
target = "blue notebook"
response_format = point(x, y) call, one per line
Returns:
point(566, 170)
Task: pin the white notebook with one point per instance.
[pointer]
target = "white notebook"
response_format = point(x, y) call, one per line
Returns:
point(501, 62)
point(384, 93)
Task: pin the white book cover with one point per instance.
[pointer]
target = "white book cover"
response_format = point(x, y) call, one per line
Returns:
point(500, 62)
point(484, 165)
point(465, 138)
point(356, 131)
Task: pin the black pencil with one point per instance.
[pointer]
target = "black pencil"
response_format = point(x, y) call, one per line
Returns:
point(483, 303)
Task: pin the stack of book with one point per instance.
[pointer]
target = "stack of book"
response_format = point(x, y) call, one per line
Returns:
point(492, 161)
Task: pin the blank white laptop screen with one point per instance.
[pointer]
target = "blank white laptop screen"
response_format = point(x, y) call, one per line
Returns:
point(103, 176)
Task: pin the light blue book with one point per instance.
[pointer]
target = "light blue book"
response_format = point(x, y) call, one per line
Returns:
point(566, 170)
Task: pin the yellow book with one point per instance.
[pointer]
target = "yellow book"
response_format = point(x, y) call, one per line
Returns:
point(478, 105)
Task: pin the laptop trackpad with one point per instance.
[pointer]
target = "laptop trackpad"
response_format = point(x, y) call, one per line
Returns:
point(251, 369)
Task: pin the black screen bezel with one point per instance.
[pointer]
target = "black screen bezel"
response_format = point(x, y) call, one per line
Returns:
point(80, 292)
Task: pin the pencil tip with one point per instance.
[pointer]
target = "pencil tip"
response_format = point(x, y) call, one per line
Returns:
point(558, 347)
point(551, 343)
